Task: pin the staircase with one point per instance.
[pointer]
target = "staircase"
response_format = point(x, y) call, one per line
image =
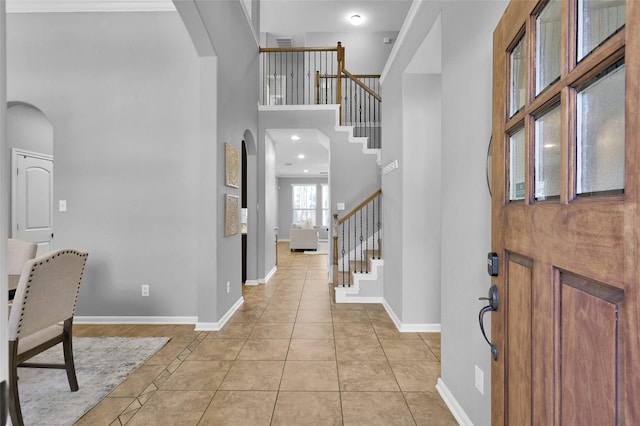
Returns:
point(357, 253)
point(310, 88)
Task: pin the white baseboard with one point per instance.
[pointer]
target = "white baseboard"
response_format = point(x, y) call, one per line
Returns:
point(410, 328)
point(133, 320)
point(268, 277)
point(455, 408)
point(251, 282)
point(363, 300)
point(217, 326)
point(392, 314)
point(420, 328)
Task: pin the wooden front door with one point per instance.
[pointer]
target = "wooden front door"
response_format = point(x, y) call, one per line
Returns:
point(565, 213)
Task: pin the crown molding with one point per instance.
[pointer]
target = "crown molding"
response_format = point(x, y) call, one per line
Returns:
point(71, 6)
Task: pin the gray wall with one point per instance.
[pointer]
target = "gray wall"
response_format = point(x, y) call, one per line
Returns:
point(285, 211)
point(267, 205)
point(28, 129)
point(467, 55)
point(421, 199)
point(465, 229)
point(365, 52)
point(237, 97)
point(5, 177)
point(121, 90)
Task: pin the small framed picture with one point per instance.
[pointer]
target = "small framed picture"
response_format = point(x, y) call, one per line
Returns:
point(232, 163)
point(231, 215)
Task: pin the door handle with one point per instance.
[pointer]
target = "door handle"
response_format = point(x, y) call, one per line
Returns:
point(492, 306)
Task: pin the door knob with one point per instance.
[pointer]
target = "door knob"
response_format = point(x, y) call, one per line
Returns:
point(492, 306)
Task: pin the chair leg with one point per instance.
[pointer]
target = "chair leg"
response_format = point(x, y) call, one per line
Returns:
point(68, 355)
point(14, 400)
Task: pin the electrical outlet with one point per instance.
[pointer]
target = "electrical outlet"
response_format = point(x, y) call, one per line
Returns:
point(228, 287)
point(479, 380)
point(145, 289)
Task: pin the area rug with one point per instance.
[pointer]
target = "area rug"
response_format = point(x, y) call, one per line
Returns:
point(323, 248)
point(102, 363)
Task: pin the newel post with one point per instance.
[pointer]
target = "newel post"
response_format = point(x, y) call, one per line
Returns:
point(334, 231)
point(340, 55)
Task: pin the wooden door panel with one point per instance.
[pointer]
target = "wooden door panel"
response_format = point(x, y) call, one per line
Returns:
point(518, 355)
point(567, 325)
point(569, 232)
point(589, 344)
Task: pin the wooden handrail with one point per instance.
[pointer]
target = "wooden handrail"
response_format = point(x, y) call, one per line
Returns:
point(359, 206)
point(355, 75)
point(361, 84)
point(298, 49)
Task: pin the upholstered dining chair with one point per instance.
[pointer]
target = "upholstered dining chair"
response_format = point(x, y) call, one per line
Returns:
point(42, 316)
point(18, 253)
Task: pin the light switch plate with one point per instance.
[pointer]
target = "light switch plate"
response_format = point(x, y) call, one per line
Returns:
point(340, 206)
point(62, 205)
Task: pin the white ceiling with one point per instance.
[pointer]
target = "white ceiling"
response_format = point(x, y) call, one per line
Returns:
point(313, 144)
point(297, 17)
point(300, 16)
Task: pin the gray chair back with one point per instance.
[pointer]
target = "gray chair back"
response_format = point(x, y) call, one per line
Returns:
point(47, 292)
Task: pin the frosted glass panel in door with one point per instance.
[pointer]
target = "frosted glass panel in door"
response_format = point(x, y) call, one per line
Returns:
point(547, 155)
point(548, 36)
point(517, 166)
point(600, 141)
point(597, 20)
point(517, 78)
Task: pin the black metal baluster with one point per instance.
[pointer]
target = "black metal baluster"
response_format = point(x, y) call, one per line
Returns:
point(361, 245)
point(373, 232)
point(349, 251)
point(366, 262)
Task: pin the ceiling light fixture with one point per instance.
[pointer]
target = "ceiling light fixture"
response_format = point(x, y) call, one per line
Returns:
point(301, 156)
point(306, 171)
point(356, 20)
point(295, 138)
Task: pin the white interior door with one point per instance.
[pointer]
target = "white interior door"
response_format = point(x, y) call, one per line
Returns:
point(32, 199)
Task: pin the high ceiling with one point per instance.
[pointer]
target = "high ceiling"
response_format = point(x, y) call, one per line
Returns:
point(295, 18)
point(299, 16)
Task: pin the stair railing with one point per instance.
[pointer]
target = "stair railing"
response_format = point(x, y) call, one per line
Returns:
point(289, 74)
point(357, 238)
point(360, 103)
point(317, 75)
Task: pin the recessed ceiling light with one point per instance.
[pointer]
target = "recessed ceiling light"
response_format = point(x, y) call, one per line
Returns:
point(356, 20)
point(301, 156)
point(295, 138)
point(306, 171)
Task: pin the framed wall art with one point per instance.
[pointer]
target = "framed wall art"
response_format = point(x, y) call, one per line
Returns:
point(232, 166)
point(231, 215)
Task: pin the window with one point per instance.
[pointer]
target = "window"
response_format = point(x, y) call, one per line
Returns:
point(325, 206)
point(304, 203)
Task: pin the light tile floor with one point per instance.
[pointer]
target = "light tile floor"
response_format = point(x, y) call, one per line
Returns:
point(289, 356)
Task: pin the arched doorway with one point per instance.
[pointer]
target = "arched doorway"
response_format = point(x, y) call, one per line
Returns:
point(30, 138)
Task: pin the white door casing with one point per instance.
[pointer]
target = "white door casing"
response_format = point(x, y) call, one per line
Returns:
point(32, 198)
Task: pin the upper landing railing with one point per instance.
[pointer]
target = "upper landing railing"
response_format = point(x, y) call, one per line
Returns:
point(317, 75)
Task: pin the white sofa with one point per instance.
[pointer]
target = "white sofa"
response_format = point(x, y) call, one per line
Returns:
point(303, 237)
